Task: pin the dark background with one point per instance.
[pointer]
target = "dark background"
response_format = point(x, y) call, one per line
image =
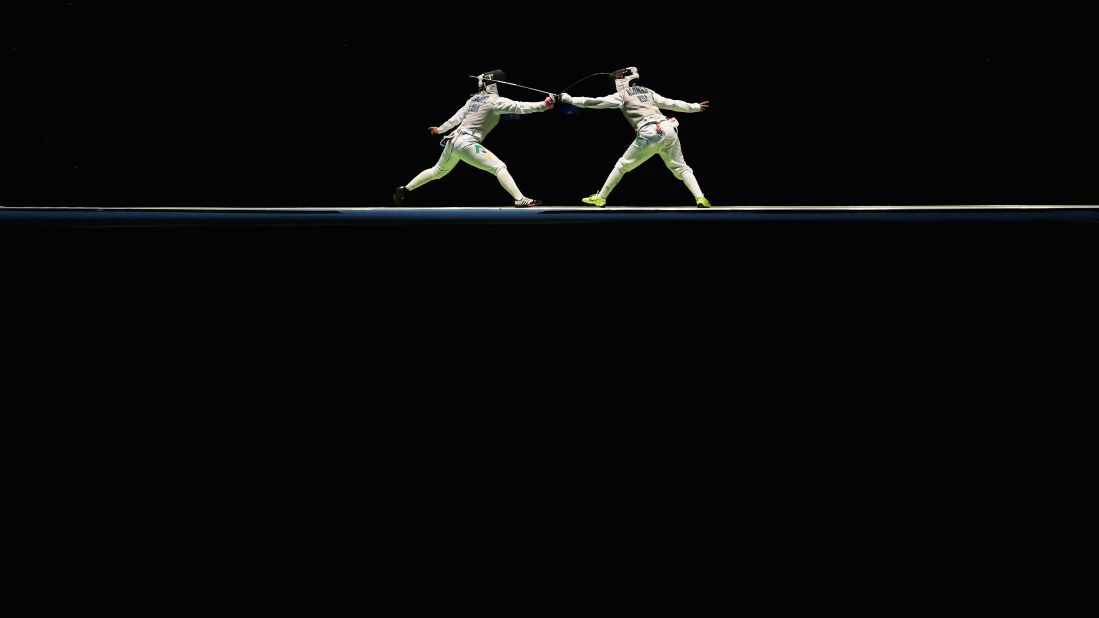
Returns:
point(327, 104)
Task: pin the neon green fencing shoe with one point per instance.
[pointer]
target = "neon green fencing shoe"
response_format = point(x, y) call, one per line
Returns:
point(595, 200)
point(702, 202)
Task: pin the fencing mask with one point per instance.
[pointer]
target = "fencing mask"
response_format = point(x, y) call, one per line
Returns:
point(624, 78)
point(486, 81)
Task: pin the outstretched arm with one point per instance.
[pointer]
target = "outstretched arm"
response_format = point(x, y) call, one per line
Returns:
point(679, 106)
point(507, 106)
point(613, 101)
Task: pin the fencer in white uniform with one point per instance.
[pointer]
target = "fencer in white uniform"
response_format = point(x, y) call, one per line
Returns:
point(474, 121)
point(656, 134)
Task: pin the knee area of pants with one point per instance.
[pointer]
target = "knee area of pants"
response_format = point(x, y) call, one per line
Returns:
point(496, 171)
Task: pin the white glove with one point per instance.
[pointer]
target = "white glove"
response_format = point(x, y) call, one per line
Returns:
point(566, 98)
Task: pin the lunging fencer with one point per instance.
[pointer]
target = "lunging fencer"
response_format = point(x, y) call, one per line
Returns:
point(474, 121)
point(656, 134)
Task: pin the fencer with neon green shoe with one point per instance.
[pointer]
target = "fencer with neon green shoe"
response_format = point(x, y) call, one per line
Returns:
point(595, 200)
point(702, 202)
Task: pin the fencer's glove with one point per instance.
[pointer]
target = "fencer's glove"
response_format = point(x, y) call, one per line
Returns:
point(549, 102)
point(565, 98)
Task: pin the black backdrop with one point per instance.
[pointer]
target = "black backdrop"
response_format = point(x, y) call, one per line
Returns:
point(252, 104)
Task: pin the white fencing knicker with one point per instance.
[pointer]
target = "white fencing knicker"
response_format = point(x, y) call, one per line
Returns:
point(463, 146)
point(654, 137)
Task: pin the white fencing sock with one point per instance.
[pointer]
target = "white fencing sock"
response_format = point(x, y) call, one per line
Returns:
point(508, 183)
point(692, 184)
point(612, 182)
point(423, 177)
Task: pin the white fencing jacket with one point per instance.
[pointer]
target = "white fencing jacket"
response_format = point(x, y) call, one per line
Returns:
point(640, 105)
point(481, 113)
